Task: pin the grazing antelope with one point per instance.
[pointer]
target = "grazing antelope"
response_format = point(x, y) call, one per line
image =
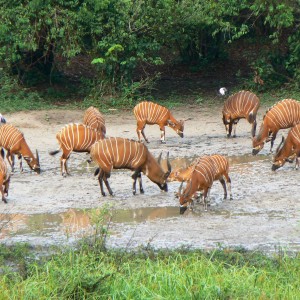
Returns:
point(288, 148)
point(94, 119)
point(12, 140)
point(243, 104)
point(120, 153)
point(77, 138)
point(284, 114)
point(220, 170)
point(202, 178)
point(4, 179)
point(151, 113)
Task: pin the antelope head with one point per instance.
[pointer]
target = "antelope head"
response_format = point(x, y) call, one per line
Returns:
point(257, 145)
point(34, 163)
point(178, 127)
point(184, 198)
point(279, 159)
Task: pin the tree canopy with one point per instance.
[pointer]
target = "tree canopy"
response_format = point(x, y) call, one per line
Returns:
point(120, 35)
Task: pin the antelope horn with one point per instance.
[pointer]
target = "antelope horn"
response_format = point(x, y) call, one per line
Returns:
point(180, 189)
point(159, 158)
point(190, 187)
point(278, 148)
point(37, 156)
point(168, 164)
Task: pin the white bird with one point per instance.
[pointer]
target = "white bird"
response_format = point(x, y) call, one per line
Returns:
point(223, 91)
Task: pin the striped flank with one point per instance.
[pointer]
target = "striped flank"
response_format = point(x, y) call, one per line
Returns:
point(94, 119)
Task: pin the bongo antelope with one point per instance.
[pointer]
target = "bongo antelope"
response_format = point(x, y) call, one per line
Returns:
point(288, 148)
point(202, 178)
point(151, 113)
point(243, 104)
point(284, 114)
point(12, 140)
point(94, 119)
point(119, 153)
point(219, 168)
point(77, 138)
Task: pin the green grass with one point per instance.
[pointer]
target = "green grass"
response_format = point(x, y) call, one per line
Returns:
point(90, 273)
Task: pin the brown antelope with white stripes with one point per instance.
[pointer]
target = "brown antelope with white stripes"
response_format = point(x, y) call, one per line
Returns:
point(241, 105)
point(221, 172)
point(75, 138)
point(12, 140)
point(284, 114)
point(94, 119)
point(288, 149)
point(119, 153)
point(4, 178)
point(202, 178)
point(151, 113)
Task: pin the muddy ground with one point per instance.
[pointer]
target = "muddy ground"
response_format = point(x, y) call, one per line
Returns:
point(263, 215)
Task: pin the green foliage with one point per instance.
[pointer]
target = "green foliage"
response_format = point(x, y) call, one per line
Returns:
point(125, 37)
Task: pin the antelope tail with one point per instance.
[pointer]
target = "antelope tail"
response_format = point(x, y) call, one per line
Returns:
point(54, 152)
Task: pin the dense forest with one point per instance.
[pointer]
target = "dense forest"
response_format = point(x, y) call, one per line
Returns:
point(122, 47)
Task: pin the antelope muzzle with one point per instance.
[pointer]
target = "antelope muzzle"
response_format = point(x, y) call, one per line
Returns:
point(182, 209)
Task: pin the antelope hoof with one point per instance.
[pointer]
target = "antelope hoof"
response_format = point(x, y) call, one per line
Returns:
point(234, 136)
point(228, 135)
point(103, 194)
point(231, 198)
point(162, 142)
point(134, 192)
point(142, 191)
point(64, 175)
point(4, 200)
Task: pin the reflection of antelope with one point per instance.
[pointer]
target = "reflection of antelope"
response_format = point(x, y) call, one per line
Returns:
point(4, 179)
point(94, 119)
point(243, 104)
point(12, 140)
point(288, 148)
point(151, 113)
point(119, 153)
point(205, 171)
point(284, 114)
point(75, 221)
point(77, 138)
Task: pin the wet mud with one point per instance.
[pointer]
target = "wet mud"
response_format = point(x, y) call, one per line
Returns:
point(47, 209)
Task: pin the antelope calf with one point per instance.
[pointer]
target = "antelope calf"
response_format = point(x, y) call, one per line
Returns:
point(12, 140)
point(94, 119)
point(77, 138)
point(151, 113)
point(289, 147)
point(4, 179)
point(243, 104)
point(284, 114)
point(119, 153)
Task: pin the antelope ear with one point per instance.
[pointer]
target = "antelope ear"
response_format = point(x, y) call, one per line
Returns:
point(170, 123)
